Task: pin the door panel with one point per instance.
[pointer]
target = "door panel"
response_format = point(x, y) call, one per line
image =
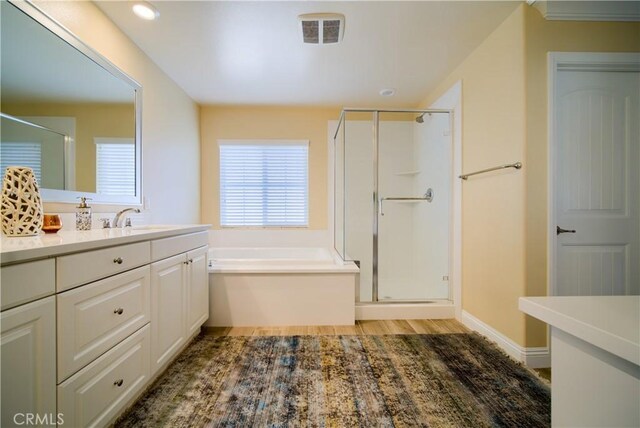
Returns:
point(597, 188)
point(167, 309)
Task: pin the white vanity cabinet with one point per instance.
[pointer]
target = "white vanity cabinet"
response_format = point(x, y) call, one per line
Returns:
point(197, 290)
point(28, 361)
point(168, 295)
point(179, 296)
point(88, 324)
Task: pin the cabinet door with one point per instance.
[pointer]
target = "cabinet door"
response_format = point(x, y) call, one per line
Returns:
point(168, 304)
point(28, 361)
point(197, 290)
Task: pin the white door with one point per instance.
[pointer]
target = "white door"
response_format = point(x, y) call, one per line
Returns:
point(597, 175)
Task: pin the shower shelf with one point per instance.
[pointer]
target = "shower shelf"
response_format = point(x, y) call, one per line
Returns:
point(407, 172)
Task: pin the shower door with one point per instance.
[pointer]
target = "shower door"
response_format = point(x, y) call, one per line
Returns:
point(413, 207)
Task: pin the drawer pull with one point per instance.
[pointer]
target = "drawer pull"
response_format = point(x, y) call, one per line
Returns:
point(118, 260)
point(119, 382)
point(118, 311)
point(190, 260)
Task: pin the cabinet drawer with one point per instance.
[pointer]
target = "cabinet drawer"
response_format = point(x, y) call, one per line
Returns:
point(78, 269)
point(163, 248)
point(99, 392)
point(27, 282)
point(93, 318)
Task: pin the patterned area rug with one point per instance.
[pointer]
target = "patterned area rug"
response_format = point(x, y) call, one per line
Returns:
point(447, 380)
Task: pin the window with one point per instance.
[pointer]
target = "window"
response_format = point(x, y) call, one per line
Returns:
point(22, 154)
point(264, 183)
point(115, 166)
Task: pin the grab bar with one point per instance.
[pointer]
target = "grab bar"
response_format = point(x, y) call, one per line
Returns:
point(516, 165)
point(427, 197)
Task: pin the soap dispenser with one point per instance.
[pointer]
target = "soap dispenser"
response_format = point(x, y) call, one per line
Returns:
point(83, 214)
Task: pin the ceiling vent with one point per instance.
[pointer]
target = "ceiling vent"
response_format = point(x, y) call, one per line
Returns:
point(322, 28)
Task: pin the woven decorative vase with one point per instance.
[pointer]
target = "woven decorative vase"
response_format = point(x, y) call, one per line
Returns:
point(21, 203)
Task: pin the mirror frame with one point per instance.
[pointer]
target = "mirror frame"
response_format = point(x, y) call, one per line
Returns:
point(71, 196)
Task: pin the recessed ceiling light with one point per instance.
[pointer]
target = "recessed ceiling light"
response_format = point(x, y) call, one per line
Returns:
point(388, 92)
point(145, 10)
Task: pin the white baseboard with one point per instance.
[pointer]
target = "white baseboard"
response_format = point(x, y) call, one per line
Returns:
point(532, 357)
point(404, 311)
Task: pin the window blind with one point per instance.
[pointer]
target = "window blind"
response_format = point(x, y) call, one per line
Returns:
point(264, 183)
point(22, 154)
point(115, 167)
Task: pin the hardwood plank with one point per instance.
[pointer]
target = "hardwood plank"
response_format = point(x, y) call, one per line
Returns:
point(361, 327)
point(268, 331)
point(346, 330)
point(241, 331)
point(374, 327)
point(322, 330)
point(421, 326)
point(447, 326)
point(456, 326)
point(298, 330)
point(399, 327)
point(216, 331)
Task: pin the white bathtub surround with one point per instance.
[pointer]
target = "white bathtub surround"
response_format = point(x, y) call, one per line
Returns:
point(596, 358)
point(280, 287)
point(269, 238)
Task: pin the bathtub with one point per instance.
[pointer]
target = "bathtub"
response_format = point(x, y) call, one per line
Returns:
point(280, 287)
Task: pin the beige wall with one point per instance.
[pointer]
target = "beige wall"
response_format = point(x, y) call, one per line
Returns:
point(291, 123)
point(504, 120)
point(493, 212)
point(92, 120)
point(541, 37)
point(170, 131)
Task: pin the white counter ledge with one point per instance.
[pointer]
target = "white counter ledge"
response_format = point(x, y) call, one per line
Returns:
point(595, 358)
point(21, 249)
point(608, 322)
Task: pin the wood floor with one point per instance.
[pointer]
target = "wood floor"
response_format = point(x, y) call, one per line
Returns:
point(446, 326)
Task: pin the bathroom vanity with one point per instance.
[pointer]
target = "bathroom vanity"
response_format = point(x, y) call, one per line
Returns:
point(90, 318)
point(595, 357)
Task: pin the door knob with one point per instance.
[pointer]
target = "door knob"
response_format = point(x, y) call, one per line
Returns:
point(560, 230)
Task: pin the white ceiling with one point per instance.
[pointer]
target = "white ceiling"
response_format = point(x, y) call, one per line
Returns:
point(239, 52)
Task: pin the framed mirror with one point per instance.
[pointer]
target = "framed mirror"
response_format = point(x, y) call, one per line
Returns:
point(67, 112)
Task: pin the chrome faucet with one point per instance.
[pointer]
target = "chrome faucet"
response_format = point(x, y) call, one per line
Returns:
point(121, 214)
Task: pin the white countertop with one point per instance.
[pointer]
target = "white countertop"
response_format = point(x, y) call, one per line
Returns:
point(608, 322)
point(20, 249)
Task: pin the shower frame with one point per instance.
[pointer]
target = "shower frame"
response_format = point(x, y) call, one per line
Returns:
point(376, 201)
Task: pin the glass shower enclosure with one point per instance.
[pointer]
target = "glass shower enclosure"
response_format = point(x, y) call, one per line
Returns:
point(392, 202)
